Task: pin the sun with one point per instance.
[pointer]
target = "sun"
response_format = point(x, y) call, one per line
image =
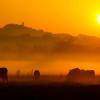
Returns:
point(99, 19)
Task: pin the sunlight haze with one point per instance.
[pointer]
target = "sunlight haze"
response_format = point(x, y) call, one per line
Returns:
point(68, 39)
point(57, 16)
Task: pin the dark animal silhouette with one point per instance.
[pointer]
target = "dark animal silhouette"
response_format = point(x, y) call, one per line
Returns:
point(81, 76)
point(4, 74)
point(36, 74)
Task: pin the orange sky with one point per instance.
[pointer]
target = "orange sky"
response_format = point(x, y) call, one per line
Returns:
point(68, 16)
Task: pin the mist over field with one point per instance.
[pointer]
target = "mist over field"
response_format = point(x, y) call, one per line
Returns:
point(27, 49)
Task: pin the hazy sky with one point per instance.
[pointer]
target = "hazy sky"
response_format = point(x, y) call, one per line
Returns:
point(70, 16)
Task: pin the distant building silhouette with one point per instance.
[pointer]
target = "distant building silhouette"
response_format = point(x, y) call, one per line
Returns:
point(81, 76)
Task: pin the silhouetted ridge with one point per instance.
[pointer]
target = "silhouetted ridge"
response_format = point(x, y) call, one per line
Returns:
point(21, 30)
point(13, 26)
point(19, 39)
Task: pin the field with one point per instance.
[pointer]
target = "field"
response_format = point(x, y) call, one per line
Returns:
point(47, 90)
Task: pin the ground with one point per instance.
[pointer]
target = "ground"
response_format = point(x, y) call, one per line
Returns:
point(48, 91)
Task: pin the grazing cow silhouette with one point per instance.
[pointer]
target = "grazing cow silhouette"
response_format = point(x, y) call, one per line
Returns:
point(4, 74)
point(36, 74)
point(81, 76)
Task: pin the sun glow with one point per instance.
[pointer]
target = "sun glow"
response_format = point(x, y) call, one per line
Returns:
point(99, 19)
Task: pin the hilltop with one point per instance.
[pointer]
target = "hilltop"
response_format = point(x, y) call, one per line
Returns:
point(16, 40)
